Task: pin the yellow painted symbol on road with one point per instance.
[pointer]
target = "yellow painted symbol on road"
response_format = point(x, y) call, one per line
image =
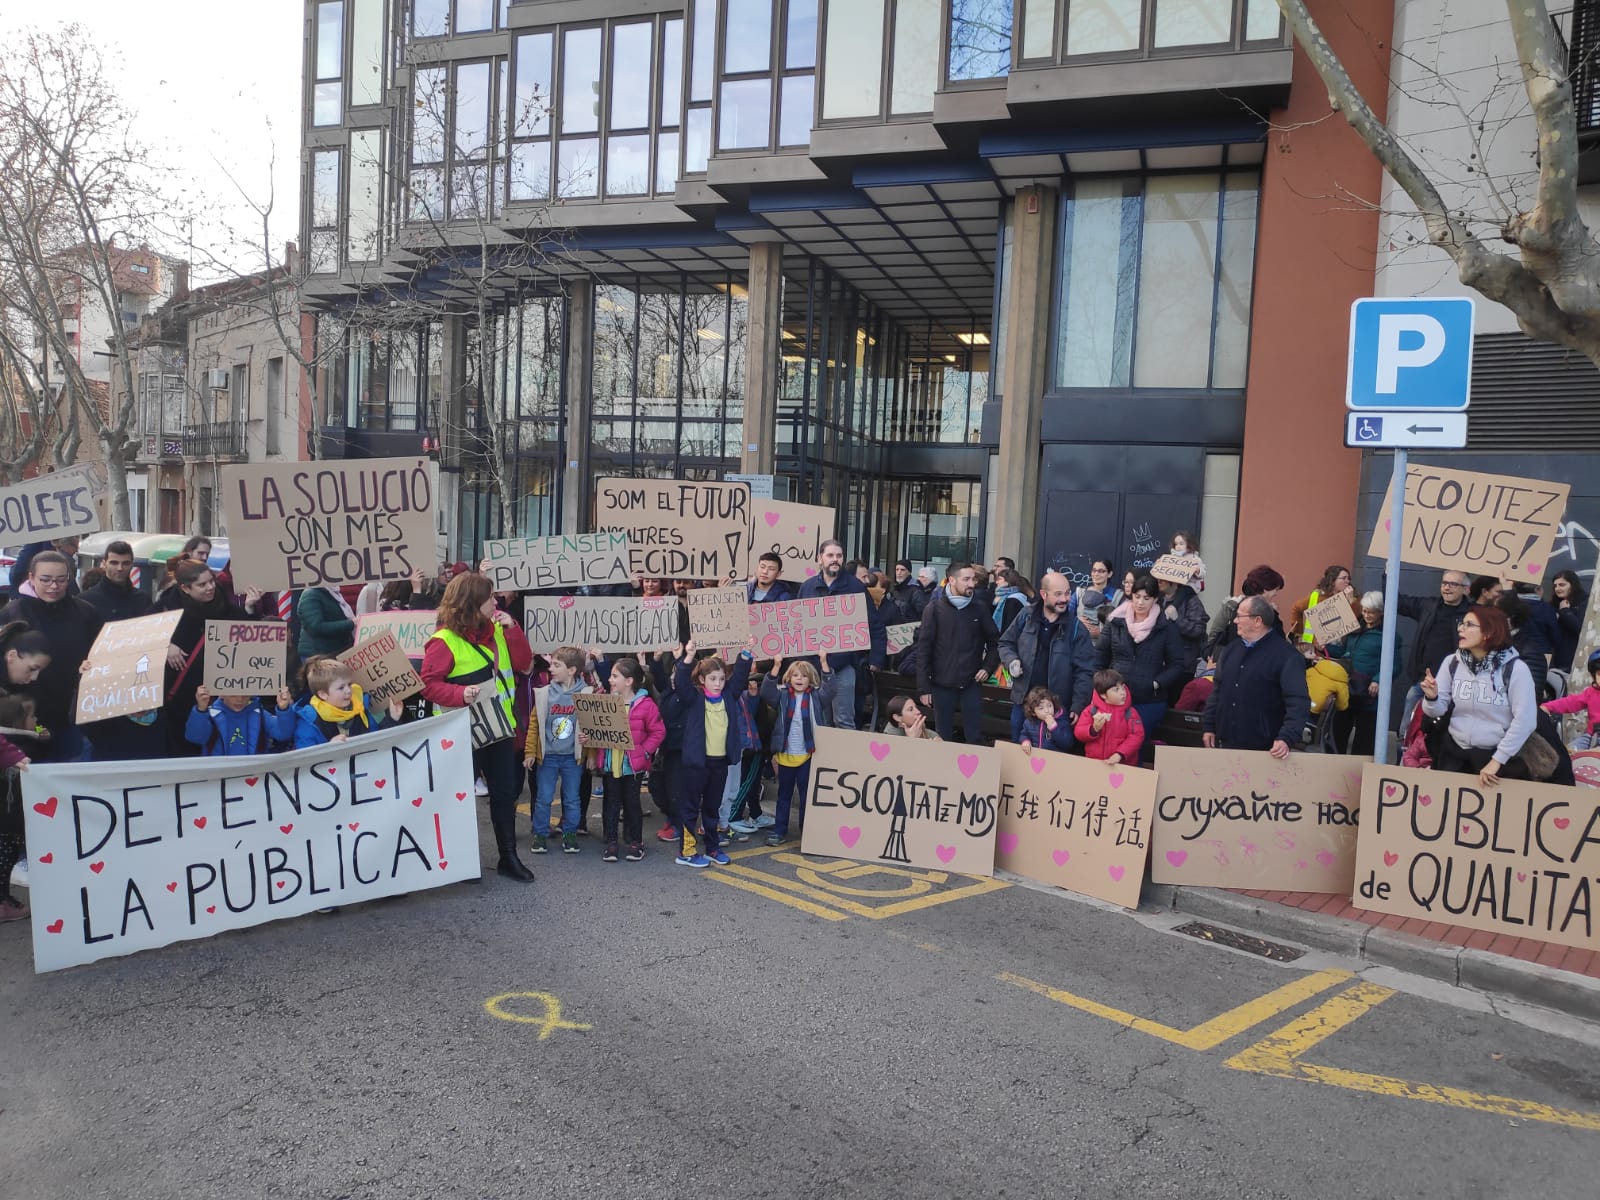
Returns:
point(837, 889)
point(548, 1023)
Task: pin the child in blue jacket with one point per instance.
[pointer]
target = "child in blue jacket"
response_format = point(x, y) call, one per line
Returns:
point(1045, 722)
point(239, 724)
point(336, 710)
point(712, 738)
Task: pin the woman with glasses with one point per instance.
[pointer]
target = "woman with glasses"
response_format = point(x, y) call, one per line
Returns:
point(1487, 693)
point(1144, 647)
point(195, 594)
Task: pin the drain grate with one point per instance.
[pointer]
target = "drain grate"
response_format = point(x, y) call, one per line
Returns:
point(1240, 941)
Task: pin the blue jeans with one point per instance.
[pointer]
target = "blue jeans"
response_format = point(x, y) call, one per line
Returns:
point(844, 698)
point(551, 767)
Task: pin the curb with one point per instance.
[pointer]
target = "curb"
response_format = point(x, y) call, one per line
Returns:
point(1477, 970)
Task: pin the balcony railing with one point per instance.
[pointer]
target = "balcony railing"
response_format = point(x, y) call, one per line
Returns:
point(1579, 30)
point(220, 439)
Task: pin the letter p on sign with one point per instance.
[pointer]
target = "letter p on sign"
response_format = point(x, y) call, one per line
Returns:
point(1410, 355)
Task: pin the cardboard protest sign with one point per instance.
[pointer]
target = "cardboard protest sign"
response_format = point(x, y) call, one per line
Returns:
point(719, 617)
point(1520, 858)
point(903, 800)
point(246, 658)
point(56, 505)
point(677, 529)
point(301, 525)
point(794, 532)
point(128, 856)
point(490, 722)
point(603, 720)
point(126, 669)
point(902, 637)
point(1075, 822)
point(411, 629)
point(565, 560)
point(1243, 819)
point(1468, 521)
point(1332, 620)
point(626, 623)
point(1173, 569)
point(1586, 768)
point(382, 669)
point(818, 625)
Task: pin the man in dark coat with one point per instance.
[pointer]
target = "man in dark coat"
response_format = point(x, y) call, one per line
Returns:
point(957, 649)
point(1049, 647)
point(909, 598)
point(1259, 701)
point(832, 580)
point(115, 597)
point(766, 587)
point(1438, 619)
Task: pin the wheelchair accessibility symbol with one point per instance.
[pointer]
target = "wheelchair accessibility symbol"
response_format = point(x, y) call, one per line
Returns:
point(1369, 429)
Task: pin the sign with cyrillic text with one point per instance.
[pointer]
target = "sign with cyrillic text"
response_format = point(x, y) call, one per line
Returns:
point(302, 525)
point(1518, 858)
point(1481, 524)
point(566, 560)
point(56, 505)
point(627, 623)
point(903, 800)
point(1243, 819)
point(246, 658)
point(817, 625)
point(126, 670)
point(128, 856)
point(677, 529)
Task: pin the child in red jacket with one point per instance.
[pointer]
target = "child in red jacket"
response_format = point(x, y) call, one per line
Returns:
point(1110, 727)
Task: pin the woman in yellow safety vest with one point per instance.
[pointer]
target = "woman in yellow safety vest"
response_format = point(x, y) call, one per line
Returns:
point(1335, 580)
point(477, 649)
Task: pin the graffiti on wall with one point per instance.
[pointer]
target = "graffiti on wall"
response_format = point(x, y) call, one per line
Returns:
point(1575, 549)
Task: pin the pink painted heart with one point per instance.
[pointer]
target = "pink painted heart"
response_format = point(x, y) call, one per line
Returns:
point(250, 780)
point(48, 808)
point(333, 770)
point(289, 828)
point(97, 867)
point(379, 783)
point(850, 835)
point(1466, 829)
point(1116, 873)
point(1560, 822)
point(879, 750)
point(1301, 865)
point(802, 528)
point(1389, 789)
point(281, 883)
point(1115, 779)
point(354, 826)
point(1390, 858)
point(1008, 843)
point(1061, 857)
point(211, 908)
point(1536, 568)
point(461, 795)
point(443, 864)
point(967, 764)
point(810, 571)
point(199, 822)
point(1387, 525)
point(1424, 800)
point(417, 803)
point(772, 519)
point(1038, 764)
point(945, 853)
point(445, 743)
point(1326, 857)
point(48, 858)
point(1522, 877)
point(1177, 857)
point(172, 887)
point(56, 926)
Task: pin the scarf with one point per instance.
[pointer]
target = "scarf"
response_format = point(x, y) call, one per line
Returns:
point(958, 602)
point(1139, 629)
point(877, 596)
point(339, 599)
point(341, 716)
point(1491, 662)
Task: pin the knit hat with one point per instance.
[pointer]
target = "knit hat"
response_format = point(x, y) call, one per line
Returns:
point(904, 562)
point(1261, 579)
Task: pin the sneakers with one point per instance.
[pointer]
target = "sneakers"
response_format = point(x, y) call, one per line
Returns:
point(668, 833)
point(10, 910)
point(693, 860)
point(636, 852)
point(776, 839)
point(479, 787)
point(745, 826)
point(541, 844)
point(610, 854)
point(720, 857)
point(19, 873)
point(765, 821)
point(569, 843)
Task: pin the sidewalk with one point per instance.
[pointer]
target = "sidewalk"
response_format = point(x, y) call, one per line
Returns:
point(1562, 978)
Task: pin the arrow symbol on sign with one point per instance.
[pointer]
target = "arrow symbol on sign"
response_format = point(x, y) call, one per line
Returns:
point(1425, 429)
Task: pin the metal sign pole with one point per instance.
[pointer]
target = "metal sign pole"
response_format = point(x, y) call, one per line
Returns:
point(1391, 605)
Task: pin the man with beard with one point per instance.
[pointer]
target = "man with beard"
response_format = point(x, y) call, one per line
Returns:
point(1048, 647)
point(115, 597)
point(71, 625)
point(956, 652)
point(907, 596)
point(832, 580)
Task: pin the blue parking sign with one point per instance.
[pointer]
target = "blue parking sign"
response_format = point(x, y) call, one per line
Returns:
point(1410, 355)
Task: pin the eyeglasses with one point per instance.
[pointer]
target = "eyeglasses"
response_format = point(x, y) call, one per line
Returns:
point(50, 581)
point(1470, 625)
point(1451, 583)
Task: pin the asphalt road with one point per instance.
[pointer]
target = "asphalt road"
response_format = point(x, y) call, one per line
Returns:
point(741, 1047)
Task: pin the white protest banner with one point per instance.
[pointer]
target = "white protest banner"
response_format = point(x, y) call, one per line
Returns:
point(1481, 524)
point(126, 670)
point(1243, 819)
point(794, 532)
point(411, 629)
point(246, 658)
point(128, 856)
point(603, 721)
point(626, 623)
point(719, 618)
point(565, 560)
point(817, 625)
point(1173, 569)
point(1075, 822)
point(382, 669)
point(1332, 620)
point(903, 800)
point(677, 529)
point(56, 505)
point(301, 525)
point(901, 637)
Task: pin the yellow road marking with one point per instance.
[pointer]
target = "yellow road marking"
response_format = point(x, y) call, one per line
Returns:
point(1207, 1035)
point(548, 1023)
point(1278, 1054)
point(724, 875)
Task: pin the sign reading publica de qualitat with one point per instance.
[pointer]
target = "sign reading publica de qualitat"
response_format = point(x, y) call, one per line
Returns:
point(303, 525)
point(565, 560)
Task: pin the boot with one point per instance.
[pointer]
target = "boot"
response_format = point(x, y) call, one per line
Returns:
point(510, 865)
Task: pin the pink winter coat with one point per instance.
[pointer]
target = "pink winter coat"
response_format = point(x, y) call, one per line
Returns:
point(644, 722)
point(1588, 699)
point(1123, 733)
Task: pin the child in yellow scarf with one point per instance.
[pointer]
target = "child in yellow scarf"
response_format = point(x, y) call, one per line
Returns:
point(337, 709)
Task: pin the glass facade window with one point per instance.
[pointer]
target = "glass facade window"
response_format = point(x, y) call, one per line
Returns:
point(1095, 318)
point(980, 39)
point(767, 84)
point(364, 229)
point(630, 76)
point(1263, 21)
point(430, 18)
point(697, 141)
point(324, 212)
point(1103, 26)
point(473, 16)
point(580, 81)
point(745, 115)
point(797, 98)
point(800, 35)
point(1193, 22)
point(915, 72)
point(327, 97)
point(530, 117)
point(1038, 28)
point(578, 168)
point(366, 52)
point(470, 143)
point(853, 82)
point(628, 165)
point(748, 45)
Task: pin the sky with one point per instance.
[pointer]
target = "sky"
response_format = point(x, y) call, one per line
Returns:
point(216, 93)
